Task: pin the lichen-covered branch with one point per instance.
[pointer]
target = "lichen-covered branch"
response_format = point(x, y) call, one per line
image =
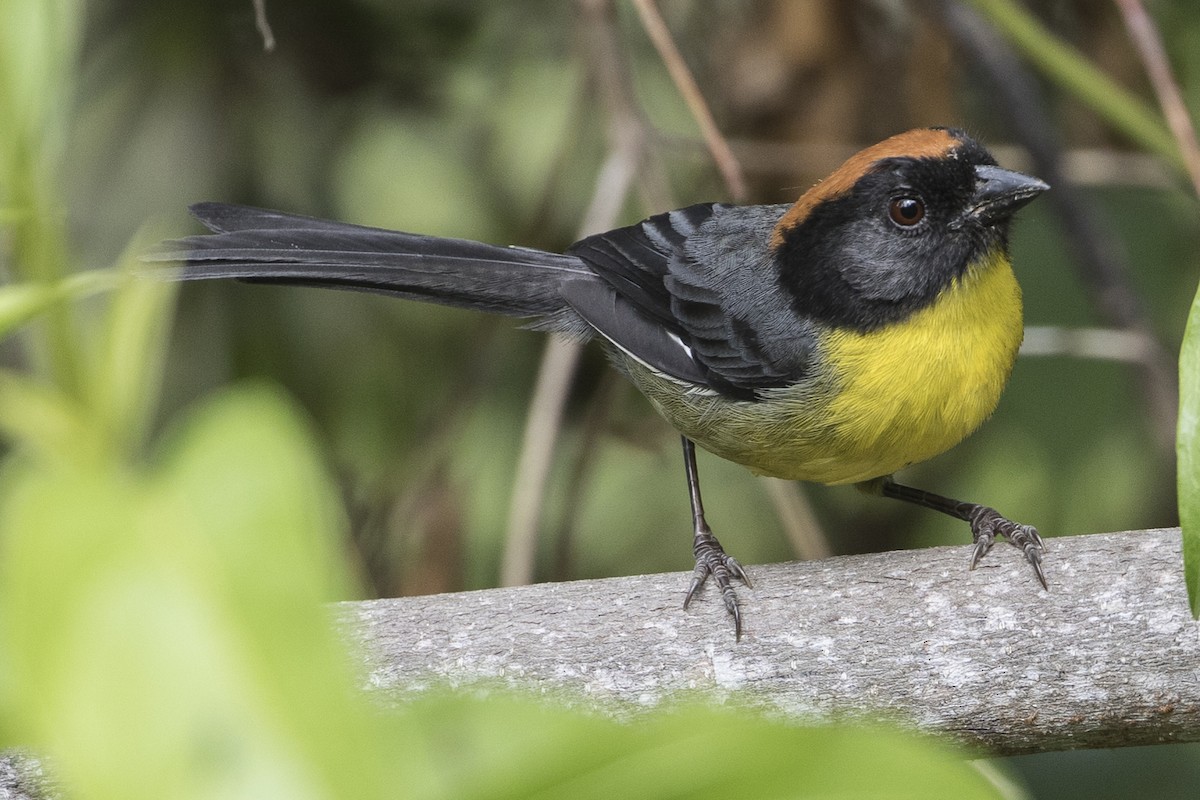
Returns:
point(1110, 656)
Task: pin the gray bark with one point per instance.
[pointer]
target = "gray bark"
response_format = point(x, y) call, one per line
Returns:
point(22, 778)
point(1109, 656)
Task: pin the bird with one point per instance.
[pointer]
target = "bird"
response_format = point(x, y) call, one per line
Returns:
point(868, 326)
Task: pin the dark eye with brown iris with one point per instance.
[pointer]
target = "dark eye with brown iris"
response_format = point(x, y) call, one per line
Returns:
point(906, 211)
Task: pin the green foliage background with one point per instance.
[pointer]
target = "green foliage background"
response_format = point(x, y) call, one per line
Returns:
point(167, 541)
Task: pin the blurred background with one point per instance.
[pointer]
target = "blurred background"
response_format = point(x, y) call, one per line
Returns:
point(507, 123)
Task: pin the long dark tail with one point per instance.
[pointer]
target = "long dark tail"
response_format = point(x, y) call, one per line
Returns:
point(262, 246)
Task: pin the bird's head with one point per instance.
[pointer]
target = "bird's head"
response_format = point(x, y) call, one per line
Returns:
point(894, 225)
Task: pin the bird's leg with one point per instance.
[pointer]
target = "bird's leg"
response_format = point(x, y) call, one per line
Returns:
point(986, 523)
point(711, 558)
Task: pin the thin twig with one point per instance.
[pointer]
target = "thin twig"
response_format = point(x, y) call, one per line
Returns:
point(685, 82)
point(559, 360)
point(388, 536)
point(800, 524)
point(1063, 64)
point(1103, 344)
point(542, 425)
point(592, 431)
point(264, 25)
point(1146, 38)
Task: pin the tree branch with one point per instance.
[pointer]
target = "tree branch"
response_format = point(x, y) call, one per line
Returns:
point(1110, 656)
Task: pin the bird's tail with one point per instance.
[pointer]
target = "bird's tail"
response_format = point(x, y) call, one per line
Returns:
point(262, 246)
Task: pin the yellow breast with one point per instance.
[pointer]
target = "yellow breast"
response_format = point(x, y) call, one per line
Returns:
point(883, 400)
point(915, 389)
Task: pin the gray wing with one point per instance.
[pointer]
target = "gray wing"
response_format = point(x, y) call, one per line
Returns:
point(695, 293)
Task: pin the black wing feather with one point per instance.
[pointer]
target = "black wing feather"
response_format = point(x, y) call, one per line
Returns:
point(704, 274)
point(635, 259)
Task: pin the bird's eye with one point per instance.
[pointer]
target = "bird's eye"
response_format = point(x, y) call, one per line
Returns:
point(906, 211)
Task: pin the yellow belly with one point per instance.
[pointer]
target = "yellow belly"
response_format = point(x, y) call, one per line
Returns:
point(884, 400)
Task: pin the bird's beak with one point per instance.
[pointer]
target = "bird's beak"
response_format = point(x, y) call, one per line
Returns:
point(1000, 192)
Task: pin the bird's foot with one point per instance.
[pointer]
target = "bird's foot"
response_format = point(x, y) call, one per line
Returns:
point(988, 523)
point(711, 559)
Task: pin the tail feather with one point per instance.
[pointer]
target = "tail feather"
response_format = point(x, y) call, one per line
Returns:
point(272, 247)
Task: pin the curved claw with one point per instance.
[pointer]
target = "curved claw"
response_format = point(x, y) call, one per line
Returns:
point(698, 579)
point(987, 524)
point(1034, 557)
point(1030, 542)
point(1037, 538)
point(732, 608)
point(982, 545)
point(711, 559)
point(738, 572)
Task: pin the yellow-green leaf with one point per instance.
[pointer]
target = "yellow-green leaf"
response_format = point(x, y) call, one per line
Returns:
point(1187, 445)
point(21, 302)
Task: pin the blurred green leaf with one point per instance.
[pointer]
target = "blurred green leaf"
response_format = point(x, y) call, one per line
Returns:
point(125, 370)
point(166, 637)
point(1188, 452)
point(38, 40)
point(242, 467)
point(38, 47)
point(371, 192)
point(41, 419)
point(38, 415)
point(21, 302)
point(509, 749)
